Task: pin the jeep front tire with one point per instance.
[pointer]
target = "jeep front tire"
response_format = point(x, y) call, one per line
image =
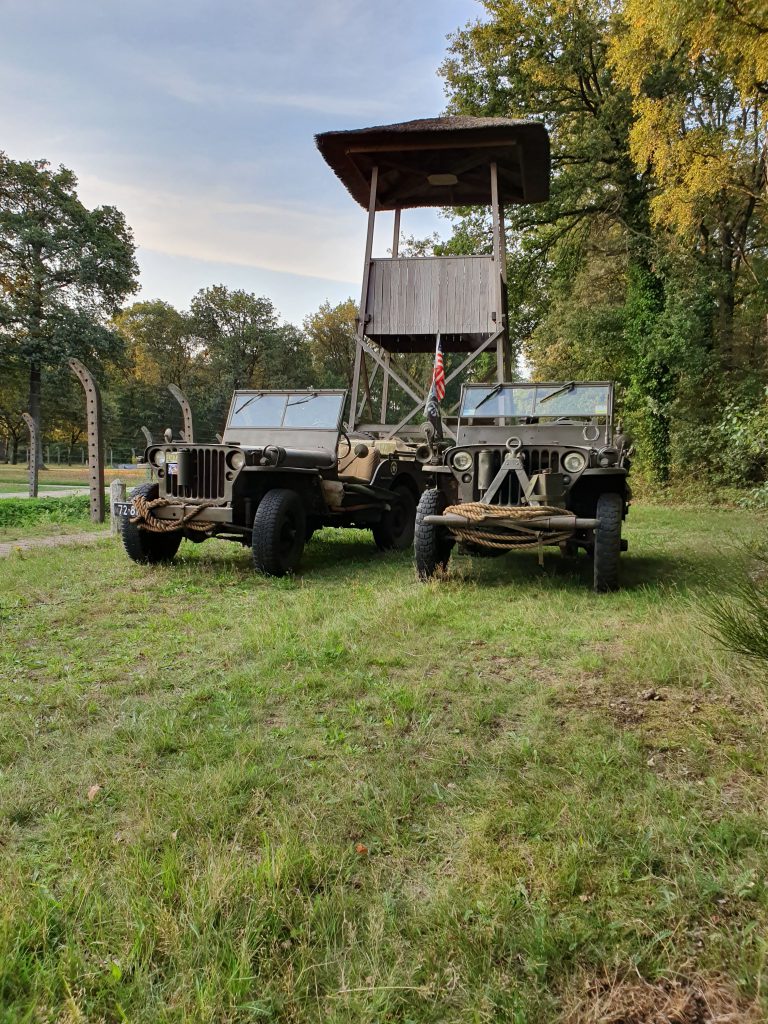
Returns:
point(148, 547)
point(607, 546)
point(432, 544)
point(279, 531)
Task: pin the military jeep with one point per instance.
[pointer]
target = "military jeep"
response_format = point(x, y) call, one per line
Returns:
point(284, 468)
point(533, 465)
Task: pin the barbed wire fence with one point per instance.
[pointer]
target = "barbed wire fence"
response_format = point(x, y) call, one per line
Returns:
point(119, 453)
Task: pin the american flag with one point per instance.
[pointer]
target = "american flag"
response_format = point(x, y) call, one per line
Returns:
point(438, 374)
point(436, 392)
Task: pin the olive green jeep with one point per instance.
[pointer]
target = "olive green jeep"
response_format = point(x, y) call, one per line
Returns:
point(285, 467)
point(533, 465)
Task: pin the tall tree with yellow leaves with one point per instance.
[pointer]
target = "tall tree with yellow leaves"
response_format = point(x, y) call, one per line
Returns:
point(698, 75)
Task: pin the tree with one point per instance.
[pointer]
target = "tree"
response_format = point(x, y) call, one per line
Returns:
point(160, 342)
point(64, 270)
point(550, 60)
point(331, 333)
point(697, 73)
point(12, 405)
point(657, 116)
point(235, 329)
point(243, 345)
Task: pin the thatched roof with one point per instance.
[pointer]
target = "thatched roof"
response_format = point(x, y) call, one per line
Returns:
point(454, 152)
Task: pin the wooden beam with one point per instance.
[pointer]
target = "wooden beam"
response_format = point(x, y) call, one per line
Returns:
point(363, 299)
point(391, 431)
point(393, 373)
point(361, 406)
point(385, 387)
point(402, 145)
point(505, 343)
point(472, 357)
point(366, 386)
point(497, 276)
point(396, 235)
point(454, 373)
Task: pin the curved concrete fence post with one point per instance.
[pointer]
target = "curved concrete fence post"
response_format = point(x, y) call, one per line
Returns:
point(33, 463)
point(186, 410)
point(95, 443)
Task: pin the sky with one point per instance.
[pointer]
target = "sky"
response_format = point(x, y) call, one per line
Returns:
point(197, 118)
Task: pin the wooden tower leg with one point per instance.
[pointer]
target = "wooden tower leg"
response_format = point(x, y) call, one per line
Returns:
point(355, 386)
point(34, 465)
point(359, 353)
point(95, 444)
point(503, 353)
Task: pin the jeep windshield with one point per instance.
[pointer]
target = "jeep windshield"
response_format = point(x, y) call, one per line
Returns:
point(536, 402)
point(313, 410)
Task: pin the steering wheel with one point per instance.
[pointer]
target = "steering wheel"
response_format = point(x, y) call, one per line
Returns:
point(345, 435)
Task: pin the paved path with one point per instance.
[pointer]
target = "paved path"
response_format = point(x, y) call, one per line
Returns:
point(8, 547)
point(58, 492)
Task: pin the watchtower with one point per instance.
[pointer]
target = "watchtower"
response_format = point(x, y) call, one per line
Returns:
point(406, 303)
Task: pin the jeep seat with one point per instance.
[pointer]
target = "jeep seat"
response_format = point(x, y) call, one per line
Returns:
point(357, 468)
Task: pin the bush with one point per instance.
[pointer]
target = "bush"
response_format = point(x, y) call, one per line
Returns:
point(31, 511)
point(756, 498)
point(738, 612)
point(731, 450)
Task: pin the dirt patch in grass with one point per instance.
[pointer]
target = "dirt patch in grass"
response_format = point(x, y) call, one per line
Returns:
point(635, 1001)
point(58, 540)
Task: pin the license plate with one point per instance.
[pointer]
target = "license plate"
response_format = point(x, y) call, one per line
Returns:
point(172, 462)
point(124, 509)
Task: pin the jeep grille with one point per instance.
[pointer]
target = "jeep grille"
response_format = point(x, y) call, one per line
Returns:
point(538, 459)
point(207, 475)
point(535, 460)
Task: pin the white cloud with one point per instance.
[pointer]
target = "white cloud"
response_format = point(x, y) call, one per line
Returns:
point(278, 237)
point(179, 85)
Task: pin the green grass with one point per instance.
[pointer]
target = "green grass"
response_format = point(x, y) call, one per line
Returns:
point(348, 797)
point(12, 486)
point(15, 478)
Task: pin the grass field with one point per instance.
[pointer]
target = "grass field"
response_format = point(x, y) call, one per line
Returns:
point(348, 797)
point(15, 478)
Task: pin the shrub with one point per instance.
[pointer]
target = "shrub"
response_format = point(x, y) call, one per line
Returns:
point(738, 613)
point(31, 511)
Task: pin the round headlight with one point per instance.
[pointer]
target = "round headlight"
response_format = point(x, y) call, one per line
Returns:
point(462, 461)
point(574, 462)
point(158, 458)
point(237, 460)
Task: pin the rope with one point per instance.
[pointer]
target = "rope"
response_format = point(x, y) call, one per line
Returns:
point(516, 535)
point(147, 521)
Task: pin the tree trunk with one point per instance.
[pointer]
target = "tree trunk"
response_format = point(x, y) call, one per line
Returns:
point(35, 406)
point(726, 301)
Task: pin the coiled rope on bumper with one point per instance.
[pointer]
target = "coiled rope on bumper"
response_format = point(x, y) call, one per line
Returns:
point(516, 534)
point(147, 521)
